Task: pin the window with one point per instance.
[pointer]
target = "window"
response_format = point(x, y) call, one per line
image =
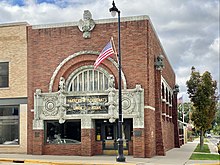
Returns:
point(9, 125)
point(66, 133)
point(89, 80)
point(4, 74)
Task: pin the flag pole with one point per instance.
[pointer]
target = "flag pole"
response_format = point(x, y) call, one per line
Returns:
point(115, 50)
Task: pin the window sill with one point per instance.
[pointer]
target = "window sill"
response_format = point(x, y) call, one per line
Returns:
point(63, 144)
point(4, 88)
point(11, 146)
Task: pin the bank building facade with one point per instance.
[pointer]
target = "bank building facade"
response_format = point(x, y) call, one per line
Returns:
point(73, 108)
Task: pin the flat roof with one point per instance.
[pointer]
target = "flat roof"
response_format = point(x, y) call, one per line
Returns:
point(100, 21)
point(13, 24)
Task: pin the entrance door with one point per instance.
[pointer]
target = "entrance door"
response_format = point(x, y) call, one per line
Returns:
point(107, 133)
point(110, 137)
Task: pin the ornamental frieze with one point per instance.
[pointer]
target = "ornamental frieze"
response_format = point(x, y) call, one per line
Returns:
point(63, 105)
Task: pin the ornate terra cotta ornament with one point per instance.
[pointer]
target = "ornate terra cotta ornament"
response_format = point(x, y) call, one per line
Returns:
point(87, 24)
point(159, 63)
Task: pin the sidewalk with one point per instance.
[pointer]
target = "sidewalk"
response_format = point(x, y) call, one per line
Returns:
point(213, 148)
point(203, 162)
point(176, 156)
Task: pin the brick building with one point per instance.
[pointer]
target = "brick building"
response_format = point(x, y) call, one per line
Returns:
point(73, 109)
point(13, 88)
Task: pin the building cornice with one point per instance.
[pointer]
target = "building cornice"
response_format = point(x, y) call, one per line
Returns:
point(14, 24)
point(100, 21)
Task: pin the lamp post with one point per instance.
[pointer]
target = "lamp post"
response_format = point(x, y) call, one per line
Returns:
point(120, 157)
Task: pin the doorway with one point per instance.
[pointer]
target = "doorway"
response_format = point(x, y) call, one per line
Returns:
point(107, 133)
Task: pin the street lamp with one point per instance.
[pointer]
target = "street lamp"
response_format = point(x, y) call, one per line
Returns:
point(120, 157)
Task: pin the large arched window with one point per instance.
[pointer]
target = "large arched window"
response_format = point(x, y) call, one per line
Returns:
point(88, 79)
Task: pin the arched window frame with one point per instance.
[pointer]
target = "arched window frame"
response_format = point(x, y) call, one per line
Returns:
point(87, 79)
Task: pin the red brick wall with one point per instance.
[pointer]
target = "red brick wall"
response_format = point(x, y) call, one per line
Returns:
point(166, 138)
point(38, 139)
point(87, 142)
point(168, 132)
point(130, 149)
point(62, 149)
point(160, 138)
point(138, 143)
point(149, 127)
point(175, 121)
point(47, 48)
point(98, 148)
point(56, 44)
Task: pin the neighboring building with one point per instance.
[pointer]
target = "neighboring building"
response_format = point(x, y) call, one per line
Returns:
point(13, 88)
point(72, 108)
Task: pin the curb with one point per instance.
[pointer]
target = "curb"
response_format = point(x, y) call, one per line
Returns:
point(48, 162)
point(208, 164)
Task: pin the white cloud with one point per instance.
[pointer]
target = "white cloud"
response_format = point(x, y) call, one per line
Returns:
point(215, 45)
point(189, 30)
point(30, 2)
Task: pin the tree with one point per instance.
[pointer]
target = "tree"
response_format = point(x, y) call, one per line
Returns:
point(201, 90)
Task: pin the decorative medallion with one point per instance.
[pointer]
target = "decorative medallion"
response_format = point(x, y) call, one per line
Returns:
point(50, 106)
point(128, 103)
point(87, 24)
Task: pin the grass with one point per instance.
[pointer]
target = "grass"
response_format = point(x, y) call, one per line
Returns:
point(196, 156)
point(206, 140)
point(204, 150)
point(203, 154)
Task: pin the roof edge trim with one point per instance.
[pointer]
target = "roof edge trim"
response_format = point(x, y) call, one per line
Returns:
point(13, 24)
point(100, 21)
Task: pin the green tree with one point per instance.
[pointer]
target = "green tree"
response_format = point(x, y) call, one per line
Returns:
point(201, 90)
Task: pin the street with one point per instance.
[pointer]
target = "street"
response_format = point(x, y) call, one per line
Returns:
point(176, 156)
point(11, 163)
point(14, 163)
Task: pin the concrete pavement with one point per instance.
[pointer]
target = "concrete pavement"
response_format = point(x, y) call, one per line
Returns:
point(176, 156)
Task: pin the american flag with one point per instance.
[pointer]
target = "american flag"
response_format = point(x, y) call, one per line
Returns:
point(180, 100)
point(106, 52)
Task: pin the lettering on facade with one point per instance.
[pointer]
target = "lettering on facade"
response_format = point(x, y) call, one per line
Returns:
point(87, 104)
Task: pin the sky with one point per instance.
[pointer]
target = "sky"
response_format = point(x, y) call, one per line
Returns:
point(188, 29)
